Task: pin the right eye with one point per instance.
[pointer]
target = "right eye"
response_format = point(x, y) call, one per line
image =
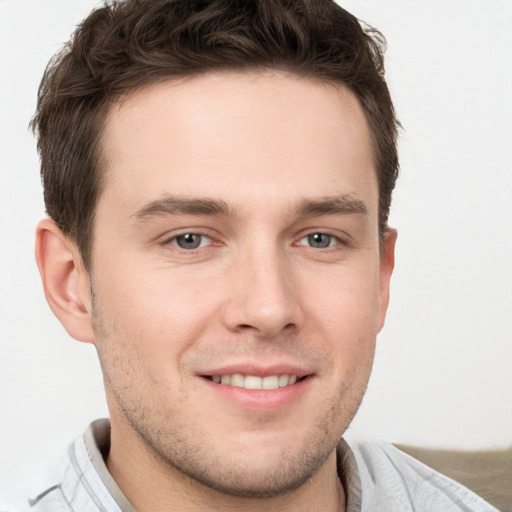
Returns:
point(191, 241)
point(319, 240)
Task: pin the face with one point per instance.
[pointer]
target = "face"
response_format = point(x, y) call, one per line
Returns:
point(237, 283)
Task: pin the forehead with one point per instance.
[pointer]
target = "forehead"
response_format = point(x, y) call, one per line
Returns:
point(245, 135)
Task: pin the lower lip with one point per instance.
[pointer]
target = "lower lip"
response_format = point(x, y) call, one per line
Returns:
point(259, 399)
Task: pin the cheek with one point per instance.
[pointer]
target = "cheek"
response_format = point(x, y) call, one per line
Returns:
point(345, 299)
point(346, 316)
point(153, 316)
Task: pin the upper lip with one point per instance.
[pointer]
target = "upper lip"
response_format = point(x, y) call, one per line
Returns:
point(260, 370)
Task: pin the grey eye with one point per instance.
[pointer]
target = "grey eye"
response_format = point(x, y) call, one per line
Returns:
point(319, 240)
point(189, 241)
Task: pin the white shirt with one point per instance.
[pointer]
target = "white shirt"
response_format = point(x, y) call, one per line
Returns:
point(377, 477)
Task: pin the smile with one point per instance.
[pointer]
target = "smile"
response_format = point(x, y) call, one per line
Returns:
point(254, 382)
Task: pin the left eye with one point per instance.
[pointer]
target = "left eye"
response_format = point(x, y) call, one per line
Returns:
point(319, 240)
point(191, 241)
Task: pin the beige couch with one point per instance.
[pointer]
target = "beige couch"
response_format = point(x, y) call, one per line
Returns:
point(488, 473)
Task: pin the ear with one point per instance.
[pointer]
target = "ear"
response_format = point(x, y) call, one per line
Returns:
point(66, 282)
point(387, 264)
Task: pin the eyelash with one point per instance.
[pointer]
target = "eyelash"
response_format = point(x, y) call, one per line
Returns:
point(171, 244)
point(334, 241)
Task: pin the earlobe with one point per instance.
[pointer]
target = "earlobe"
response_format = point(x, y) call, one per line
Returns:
point(65, 280)
point(387, 264)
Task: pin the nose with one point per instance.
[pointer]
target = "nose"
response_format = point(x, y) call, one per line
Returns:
point(263, 296)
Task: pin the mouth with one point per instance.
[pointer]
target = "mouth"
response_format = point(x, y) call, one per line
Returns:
point(269, 382)
point(258, 388)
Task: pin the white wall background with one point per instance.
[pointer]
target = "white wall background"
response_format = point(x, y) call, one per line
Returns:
point(443, 372)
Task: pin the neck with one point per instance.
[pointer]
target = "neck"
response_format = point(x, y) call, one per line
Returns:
point(152, 485)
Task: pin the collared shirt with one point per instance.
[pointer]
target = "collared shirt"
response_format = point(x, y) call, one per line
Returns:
point(375, 477)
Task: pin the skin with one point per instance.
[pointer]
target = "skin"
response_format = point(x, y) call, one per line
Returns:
point(256, 293)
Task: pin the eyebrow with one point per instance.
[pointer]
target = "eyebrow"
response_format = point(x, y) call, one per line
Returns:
point(173, 205)
point(335, 205)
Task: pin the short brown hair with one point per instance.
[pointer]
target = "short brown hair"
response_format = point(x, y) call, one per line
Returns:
point(128, 44)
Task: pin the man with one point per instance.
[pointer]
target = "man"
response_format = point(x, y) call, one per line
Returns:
point(218, 177)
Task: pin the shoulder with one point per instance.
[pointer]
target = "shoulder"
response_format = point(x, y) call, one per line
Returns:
point(42, 492)
point(395, 481)
point(50, 500)
point(81, 482)
point(47, 494)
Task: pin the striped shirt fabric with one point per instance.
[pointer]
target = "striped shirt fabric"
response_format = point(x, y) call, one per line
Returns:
point(375, 477)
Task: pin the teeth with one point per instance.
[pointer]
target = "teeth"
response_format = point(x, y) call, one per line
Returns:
point(283, 381)
point(270, 382)
point(252, 382)
point(237, 380)
point(255, 382)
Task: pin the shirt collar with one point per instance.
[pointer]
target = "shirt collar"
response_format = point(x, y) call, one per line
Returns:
point(97, 442)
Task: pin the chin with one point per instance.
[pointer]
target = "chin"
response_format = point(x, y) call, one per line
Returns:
point(257, 477)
